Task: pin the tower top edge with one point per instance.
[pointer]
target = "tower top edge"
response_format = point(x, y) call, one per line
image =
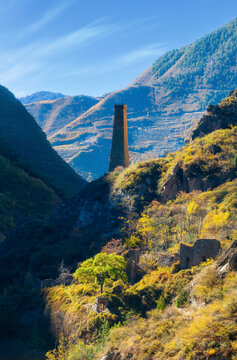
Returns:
point(120, 106)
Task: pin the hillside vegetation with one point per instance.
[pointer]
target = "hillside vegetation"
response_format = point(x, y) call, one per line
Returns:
point(191, 313)
point(22, 196)
point(160, 311)
point(119, 239)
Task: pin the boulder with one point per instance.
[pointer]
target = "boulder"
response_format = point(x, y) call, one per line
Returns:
point(202, 250)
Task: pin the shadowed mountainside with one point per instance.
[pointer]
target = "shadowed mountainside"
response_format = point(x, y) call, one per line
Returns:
point(22, 139)
point(164, 103)
point(22, 197)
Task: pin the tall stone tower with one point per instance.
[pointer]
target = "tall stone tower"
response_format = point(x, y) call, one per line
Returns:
point(119, 151)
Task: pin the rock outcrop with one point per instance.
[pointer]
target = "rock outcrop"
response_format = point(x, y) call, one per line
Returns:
point(220, 116)
point(202, 250)
point(228, 260)
point(189, 179)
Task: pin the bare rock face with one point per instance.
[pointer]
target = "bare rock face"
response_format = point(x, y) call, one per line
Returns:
point(219, 116)
point(191, 178)
point(186, 180)
point(202, 250)
point(228, 260)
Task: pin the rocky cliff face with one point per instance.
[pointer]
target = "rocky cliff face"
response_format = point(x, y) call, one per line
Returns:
point(191, 178)
point(228, 260)
point(220, 116)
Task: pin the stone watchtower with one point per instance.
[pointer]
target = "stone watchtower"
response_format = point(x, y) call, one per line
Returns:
point(119, 151)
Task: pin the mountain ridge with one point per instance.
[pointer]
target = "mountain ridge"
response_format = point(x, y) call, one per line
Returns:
point(41, 96)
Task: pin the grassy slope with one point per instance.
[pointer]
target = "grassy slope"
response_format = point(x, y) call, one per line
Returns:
point(198, 299)
point(190, 332)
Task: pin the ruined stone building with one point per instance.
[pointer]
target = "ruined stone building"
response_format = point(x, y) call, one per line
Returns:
point(119, 150)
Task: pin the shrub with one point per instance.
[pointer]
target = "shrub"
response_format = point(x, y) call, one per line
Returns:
point(182, 298)
point(161, 303)
point(81, 352)
point(208, 285)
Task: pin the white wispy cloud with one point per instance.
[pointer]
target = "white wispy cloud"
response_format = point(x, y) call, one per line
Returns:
point(77, 37)
point(48, 17)
point(33, 58)
point(36, 55)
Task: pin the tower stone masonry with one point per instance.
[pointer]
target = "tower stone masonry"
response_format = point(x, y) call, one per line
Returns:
point(119, 150)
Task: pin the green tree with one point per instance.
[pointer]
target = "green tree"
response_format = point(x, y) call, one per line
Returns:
point(101, 267)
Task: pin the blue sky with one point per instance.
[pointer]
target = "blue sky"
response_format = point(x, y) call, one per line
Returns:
point(95, 46)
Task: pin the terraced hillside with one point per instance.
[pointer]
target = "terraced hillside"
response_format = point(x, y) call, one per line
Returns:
point(53, 115)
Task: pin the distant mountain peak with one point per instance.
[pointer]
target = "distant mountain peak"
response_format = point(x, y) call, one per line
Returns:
point(41, 96)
